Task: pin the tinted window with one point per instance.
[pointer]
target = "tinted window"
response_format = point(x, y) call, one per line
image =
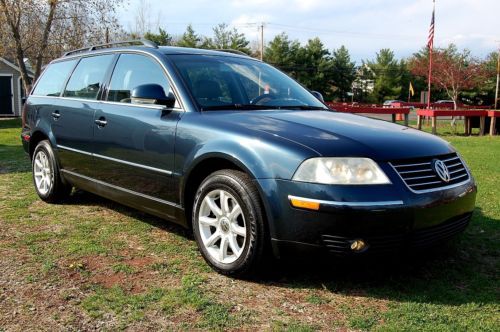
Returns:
point(88, 77)
point(225, 81)
point(52, 81)
point(131, 71)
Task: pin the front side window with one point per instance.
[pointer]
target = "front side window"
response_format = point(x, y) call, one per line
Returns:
point(223, 82)
point(87, 79)
point(131, 71)
point(53, 78)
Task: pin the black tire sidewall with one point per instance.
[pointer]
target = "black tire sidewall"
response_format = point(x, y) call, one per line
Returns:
point(235, 186)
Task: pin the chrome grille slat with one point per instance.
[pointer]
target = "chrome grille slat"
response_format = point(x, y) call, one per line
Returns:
point(425, 183)
point(454, 165)
point(420, 177)
point(417, 171)
point(411, 165)
point(446, 160)
point(460, 176)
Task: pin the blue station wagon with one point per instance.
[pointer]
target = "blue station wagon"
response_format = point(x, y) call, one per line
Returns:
point(245, 157)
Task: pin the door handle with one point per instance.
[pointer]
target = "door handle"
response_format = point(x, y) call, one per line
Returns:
point(56, 115)
point(101, 122)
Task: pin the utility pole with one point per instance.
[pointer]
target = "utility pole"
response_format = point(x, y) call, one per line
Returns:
point(262, 41)
point(498, 78)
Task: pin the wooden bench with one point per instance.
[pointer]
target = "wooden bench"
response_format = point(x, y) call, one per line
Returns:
point(376, 110)
point(467, 114)
point(493, 116)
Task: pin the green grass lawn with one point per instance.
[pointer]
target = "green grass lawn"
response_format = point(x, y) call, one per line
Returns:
point(94, 264)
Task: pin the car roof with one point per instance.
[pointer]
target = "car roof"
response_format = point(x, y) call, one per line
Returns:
point(166, 50)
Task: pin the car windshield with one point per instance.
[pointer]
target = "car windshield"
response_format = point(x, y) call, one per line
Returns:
point(227, 83)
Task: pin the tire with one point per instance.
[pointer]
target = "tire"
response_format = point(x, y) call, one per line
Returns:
point(46, 178)
point(230, 239)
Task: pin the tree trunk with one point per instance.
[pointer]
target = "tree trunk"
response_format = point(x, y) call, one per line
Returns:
point(45, 37)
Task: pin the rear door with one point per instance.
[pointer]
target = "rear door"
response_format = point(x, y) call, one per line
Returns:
point(73, 114)
point(134, 143)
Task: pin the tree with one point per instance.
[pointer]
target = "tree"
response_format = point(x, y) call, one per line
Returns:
point(225, 38)
point(343, 72)
point(314, 66)
point(452, 71)
point(40, 30)
point(189, 38)
point(162, 38)
point(282, 53)
point(387, 73)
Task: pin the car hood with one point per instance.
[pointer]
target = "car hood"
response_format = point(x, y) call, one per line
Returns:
point(332, 133)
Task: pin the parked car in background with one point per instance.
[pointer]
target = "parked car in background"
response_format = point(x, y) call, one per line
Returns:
point(391, 103)
point(446, 104)
point(241, 154)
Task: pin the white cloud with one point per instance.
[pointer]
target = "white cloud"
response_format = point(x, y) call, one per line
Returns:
point(363, 26)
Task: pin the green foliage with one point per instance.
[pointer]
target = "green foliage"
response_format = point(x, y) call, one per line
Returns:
point(189, 38)
point(387, 72)
point(161, 38)
point(225, 38)
point(343, 73)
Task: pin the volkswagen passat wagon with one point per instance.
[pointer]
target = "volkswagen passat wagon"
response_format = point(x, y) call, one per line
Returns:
point(233, 149)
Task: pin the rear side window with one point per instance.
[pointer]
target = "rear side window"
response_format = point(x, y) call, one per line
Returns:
point(87, 79)
point(52, 81)
point(133, 70)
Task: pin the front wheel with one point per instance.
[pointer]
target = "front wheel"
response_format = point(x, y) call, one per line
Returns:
point(228, 223)
point(48, 183)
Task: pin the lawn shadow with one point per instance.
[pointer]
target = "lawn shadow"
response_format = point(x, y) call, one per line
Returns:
point(10, 123)
point(460, 272)
point(464, 270)
point(13, 159)
point(80, 197)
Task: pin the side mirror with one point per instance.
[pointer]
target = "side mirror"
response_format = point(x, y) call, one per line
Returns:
point(151, 94)
point(318, 96)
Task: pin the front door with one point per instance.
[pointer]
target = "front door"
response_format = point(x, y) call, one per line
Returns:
point(134, 143)
point(6, 95)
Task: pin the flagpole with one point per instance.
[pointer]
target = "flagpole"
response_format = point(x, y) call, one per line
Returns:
point(430, 57)
point(409, 91)
point(430, 79)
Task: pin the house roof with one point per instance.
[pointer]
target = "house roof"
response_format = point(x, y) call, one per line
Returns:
point(13, 66)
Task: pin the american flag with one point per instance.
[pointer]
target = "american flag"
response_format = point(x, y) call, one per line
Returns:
point(430, 40)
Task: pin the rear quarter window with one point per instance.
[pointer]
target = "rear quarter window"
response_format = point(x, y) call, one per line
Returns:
point(53, 78)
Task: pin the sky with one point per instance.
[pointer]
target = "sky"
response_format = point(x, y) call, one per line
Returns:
point(363, 26)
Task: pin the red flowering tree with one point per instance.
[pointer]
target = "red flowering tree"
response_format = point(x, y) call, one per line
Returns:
point(452, 71)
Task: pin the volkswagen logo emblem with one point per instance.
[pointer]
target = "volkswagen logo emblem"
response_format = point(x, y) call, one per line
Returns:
point(441, 170)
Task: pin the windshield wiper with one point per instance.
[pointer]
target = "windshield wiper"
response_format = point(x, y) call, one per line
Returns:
point(243, 107)
point(304, 107)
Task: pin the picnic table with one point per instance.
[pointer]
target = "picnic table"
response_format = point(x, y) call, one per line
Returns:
point(467, 114)
point(376, 110)
point(493, 115)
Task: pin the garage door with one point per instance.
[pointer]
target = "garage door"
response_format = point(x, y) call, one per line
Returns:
point(6, 95)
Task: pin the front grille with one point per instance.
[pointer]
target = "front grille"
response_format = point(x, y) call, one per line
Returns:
point(418, 239)
point(419, 175)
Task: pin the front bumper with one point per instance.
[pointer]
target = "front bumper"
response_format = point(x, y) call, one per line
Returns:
point(388, 218)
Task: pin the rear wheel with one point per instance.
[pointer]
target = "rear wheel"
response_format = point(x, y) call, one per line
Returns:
point(228, 224)
point(46, 178)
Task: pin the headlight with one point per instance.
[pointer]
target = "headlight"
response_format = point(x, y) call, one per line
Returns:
point(340, 171)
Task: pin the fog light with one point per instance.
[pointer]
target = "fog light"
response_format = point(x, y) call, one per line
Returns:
point(358, 245)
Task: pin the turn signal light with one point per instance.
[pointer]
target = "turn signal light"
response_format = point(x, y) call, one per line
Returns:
point(301, 204)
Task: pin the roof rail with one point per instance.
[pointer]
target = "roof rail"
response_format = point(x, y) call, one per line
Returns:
point(230, 50)
point(144, 42)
